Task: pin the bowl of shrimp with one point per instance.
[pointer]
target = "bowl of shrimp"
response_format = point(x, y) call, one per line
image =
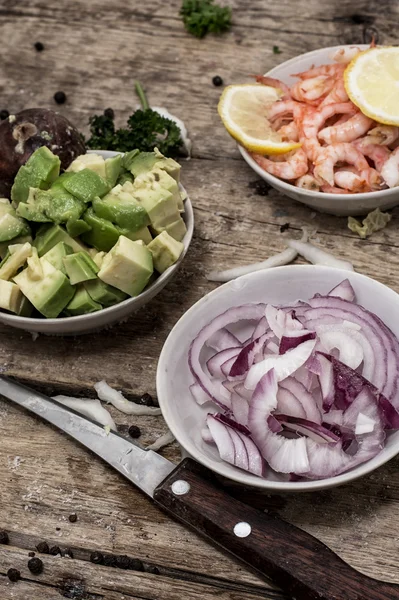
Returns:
point(347, 164)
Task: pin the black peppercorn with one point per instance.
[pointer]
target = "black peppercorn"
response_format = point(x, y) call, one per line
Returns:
point(284, 227)
point(97, 558)
point(146, 400)
point(31, 554)
point(136, 564)
point(152, 569)
point(39, 46)
point(60, 97)
point(73, 518)
point(68, 553)
point(109, 113)
point(35, 566)
point(134, 431)
point(4, 114)
point(43, 548)
point(217, 81)
point(123, 562)
point(55, 550)
point(13, 575)
point(4, 539)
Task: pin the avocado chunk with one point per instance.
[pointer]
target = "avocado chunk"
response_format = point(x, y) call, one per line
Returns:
point(34, 267)
point(165, 251)
point(56, 254)
point(82, 303)
point(142, 162)
point(76, 227)
point(103, 293)
point(58, 184)
point(80, 267)
point(124, 177)
point(41, 169)
point(127, 158)
point(11, 296)
point(158, 202)
point(128, 266)
point(98, 257)
point(19, 240)
point(94, 162)
point(51, 294)
point(159, 177)
point(177, 229)
point(11, 226)
point(86, 185)
point(11, 264)
point(48, 236)
point(112, 169)
point(103, 234)
point(142, 234)
point(121, 208)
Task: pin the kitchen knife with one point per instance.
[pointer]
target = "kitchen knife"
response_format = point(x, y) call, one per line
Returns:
point(298, 563)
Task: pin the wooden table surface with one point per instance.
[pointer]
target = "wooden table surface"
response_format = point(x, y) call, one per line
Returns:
point(94, 50)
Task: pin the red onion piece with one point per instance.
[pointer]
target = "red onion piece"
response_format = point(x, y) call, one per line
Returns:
point(288, 404)
point(288, 342)
point(199, 395)
point(240, 409)
point(307, 400)
point(215, 363)
point(284, 364)
point(343, 290)
point(282, 322)
point(315, 431)
point(261, 328)
point(245, 358)
point(222, 339)
point(232, 315)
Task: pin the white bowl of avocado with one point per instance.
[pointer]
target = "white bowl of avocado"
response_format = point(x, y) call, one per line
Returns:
point(86, 248)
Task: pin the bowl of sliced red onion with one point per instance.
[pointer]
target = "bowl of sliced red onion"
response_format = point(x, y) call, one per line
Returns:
point(286, 379)
point(371, 143)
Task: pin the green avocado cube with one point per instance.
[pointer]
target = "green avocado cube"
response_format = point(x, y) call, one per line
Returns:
point(11, 296)
point(58, 184)
point(65, 207)
point(86, 185)
point(127, 159)
point(139, 163)
point(31, 213)
point(103, 234)
point(142, 234)
point(75, 227)
point(128, 266)
point(15, 260)
point(34, 267)
point(121, 208)
point(177, 229)
point(80, 267)
point(92, 161)
point(56, 254)
point(103, 293)
point(41, 169)
point(156, 178)
point(12, 226)
point(113, 169)
point(48, 236)
point(82, 303)
point(51, 294)
point(124, 177)
point(165, 251)
point(18, 240)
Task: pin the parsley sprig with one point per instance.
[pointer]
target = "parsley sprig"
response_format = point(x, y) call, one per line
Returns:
point(204, 16)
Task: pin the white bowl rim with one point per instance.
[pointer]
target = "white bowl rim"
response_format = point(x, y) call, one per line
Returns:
point(11, 319)
point(229, 471)
point(281, 182)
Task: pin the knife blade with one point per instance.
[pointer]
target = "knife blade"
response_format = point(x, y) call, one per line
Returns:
point(300, 564)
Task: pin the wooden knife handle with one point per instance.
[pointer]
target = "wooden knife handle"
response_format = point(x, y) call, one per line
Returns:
point(298, 563)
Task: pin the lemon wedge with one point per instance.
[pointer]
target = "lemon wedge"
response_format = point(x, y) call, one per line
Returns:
point(243, 110)
point(372, 83)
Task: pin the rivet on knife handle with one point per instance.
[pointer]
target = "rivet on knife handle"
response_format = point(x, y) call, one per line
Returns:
point(299, 563)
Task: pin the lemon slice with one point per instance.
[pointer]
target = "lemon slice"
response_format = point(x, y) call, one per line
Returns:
point(243, 110)
point(372, 83)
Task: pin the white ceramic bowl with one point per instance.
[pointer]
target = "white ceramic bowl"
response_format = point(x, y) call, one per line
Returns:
point(335, 204)
point(186, 418)
point(113, 314)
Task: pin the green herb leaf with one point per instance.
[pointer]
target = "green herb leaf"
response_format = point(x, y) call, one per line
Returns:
point(201, 17)
point(276, 50)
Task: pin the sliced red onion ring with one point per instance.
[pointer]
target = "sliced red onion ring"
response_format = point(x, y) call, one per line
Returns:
point(242, 391)
point(246, 312)
point(215, 363)
point(283, 455)
point(288, 404)
point(199, 395)
point(240, 409)
point(222, 339)
point(245, 358)
point(307, 400)
point(261, 328)
point(350, 351)
point(364, 424)
point(343, 290)
point(288, 342)
point(315, 431)
point(284, 365)
point(282, 322)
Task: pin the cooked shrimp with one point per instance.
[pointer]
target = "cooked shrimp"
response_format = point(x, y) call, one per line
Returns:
point(289, 132)
point(383, 134)
point(377, 153)
point(352, 129)
point(274, 83)
point(323, 70)
point(331, 189)
point(308, 182)
point(337, 94)
point(390, 170)
point(345, 153)
point(351, 181)
point(312, 90)
point(284, 108)
point(345, 55)
point(293, 168)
